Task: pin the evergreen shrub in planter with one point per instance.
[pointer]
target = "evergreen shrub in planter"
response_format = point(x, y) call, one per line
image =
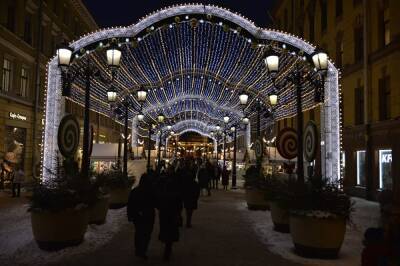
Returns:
point(255, 183)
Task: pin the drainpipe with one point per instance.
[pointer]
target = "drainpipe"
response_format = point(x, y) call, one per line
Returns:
point(367, 110)
point(37, 87)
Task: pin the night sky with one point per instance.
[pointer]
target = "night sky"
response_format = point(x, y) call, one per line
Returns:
point(126, 12)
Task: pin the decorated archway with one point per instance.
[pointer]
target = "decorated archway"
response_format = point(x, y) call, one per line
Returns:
point(194, 60)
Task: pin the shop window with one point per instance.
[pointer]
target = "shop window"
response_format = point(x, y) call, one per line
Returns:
point(24, 82)
point(7, 75)
point(15, 142)
point(361, 168)
point(384, 98)
point(359, 105)
point(385, 169)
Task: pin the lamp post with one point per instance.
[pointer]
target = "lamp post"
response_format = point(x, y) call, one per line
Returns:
point(226, 121)
point(148, 148)
point(320, 60)
point(89, 71)
point(234, 130)
point(160, 119)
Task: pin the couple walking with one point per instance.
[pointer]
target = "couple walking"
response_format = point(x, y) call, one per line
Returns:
point(168, 192)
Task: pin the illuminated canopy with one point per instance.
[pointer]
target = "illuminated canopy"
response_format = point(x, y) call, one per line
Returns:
point(195, 61)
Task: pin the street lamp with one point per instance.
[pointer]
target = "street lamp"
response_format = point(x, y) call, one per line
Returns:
point(113, 53)
point(160, 118)
point(243, 98)
point(272, 62)
point(226, 119)
point(245, 120)
point(64, 55)
point(320, 60)
point(112, 94)
point(88, 72)
point(273, 98)
point(141, 95)
point(140, 117)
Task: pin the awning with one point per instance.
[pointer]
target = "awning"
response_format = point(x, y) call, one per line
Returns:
point(105, 152)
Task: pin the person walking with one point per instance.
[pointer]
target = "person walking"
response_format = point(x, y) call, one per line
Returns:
point(217, 175)
point(169, 206)
point(191, 193)
point(202, 176)
point(141, 212)
point(19, 178)
point(225, 178)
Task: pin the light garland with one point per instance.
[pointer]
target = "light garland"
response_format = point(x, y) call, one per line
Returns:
point(196, 70)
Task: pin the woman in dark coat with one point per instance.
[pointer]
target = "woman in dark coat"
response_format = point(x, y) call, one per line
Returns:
point(141, 211)
point(190, 195)
point(225, 178)
point(169, 207)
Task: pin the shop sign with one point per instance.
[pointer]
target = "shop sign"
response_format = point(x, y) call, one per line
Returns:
point(17, 116)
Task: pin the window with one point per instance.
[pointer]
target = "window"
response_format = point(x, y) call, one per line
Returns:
point(311, 27)
point(24, 82)
point(285, 14)
point(7, 75)
point(339, 8)
point(324, 15)
point(339, 51)
point(11, 18)
point(385, 169)
point(384, 97)
point(359, 105)
point(361, 168)
point(358, 44)
point(384, 27)
point(66, 16)
point(28, 29)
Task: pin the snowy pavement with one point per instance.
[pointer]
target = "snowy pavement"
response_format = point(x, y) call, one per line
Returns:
point(224, 233)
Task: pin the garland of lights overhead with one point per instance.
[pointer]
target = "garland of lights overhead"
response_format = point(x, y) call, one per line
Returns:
point(196, 50)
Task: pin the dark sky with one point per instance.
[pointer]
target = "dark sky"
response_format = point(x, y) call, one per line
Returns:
point(125, 12)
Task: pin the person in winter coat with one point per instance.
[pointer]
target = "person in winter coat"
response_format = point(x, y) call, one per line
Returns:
point(19, 178)
point(191, 193)
point(169, 204)
point(203, 177)
point(225, 178)
point(217, 175)
point(141, 212)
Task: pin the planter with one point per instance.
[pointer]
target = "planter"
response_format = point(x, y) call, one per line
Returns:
point(98, 212)
point(317, 237)
point(280, 217)
point(57, 230)
point(119, 197)
point(255, 199)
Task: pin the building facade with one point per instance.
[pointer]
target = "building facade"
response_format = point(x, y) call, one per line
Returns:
point(362, 37)
point(30, 30)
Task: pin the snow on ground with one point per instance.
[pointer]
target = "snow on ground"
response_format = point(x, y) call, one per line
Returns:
point(17, 246)
point(366, 215)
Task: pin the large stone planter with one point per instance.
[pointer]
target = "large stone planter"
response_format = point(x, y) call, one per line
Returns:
point(119, 197)
point(57, 230)
point(317, 237)
point(98, 212)
point(255, 199)
point(280, 217)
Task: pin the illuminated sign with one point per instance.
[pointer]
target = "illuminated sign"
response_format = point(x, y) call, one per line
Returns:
point(17, 116)
point(385, 169)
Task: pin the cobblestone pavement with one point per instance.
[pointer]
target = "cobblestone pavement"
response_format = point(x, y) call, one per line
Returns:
point(220, 236)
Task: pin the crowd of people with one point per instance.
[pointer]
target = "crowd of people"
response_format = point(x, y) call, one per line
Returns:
point(171, 189)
